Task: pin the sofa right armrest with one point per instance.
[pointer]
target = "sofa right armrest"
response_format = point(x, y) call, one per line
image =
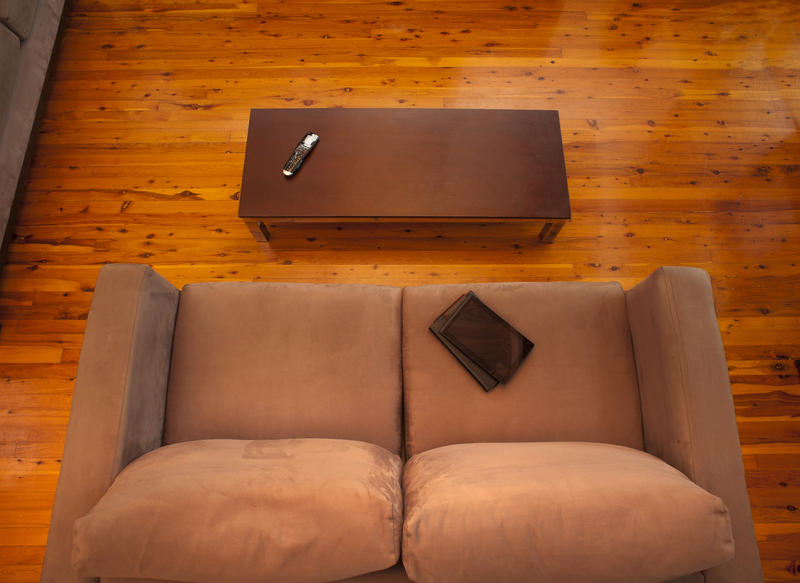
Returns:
point(118, 401)
point(687, 405)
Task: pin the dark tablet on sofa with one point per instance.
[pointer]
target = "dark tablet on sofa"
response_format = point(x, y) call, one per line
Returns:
point(485, 380)
point(486, 338)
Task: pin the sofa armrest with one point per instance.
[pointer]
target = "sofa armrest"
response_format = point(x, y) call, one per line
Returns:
point(118, 401)
point(18, 16)
point(687, 406)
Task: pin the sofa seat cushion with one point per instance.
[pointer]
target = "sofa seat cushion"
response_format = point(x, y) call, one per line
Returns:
point(394, 574)
point(303, 510)
point(578, 384)
point(560, 511)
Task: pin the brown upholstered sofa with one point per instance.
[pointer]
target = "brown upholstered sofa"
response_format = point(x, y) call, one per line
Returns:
point(256, 432)
point(28, 33)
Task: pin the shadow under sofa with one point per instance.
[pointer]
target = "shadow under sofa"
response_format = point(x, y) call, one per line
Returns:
point(313, 432)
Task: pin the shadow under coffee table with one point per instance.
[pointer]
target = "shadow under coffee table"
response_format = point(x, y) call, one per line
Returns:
point(406, 165)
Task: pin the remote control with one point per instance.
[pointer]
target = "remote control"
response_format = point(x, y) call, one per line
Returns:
point(300, 152)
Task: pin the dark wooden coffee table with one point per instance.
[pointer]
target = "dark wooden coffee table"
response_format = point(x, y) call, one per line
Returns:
point(407, 165)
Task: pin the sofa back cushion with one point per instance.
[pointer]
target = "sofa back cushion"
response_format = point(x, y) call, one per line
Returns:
point(578, 384)
point(282, 360)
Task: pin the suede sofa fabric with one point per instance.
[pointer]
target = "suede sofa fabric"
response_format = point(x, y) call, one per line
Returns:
point(121, 389)
point(274, 360)
point(118, 400)
point(18, 119)
point(578, 383)
point(9, 56)
point(689, 418)
point(290, 511)
point(566, 512)
point(18, 16)
point(395, 574)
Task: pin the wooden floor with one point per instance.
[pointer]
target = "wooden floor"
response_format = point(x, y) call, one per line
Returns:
point(680, 126)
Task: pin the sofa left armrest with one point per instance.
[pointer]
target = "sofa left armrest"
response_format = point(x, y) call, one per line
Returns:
point(119, 398)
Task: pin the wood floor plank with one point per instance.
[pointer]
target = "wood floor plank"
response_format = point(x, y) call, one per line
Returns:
point(680, 129)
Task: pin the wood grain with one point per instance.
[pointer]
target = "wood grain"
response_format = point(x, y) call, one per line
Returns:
point(680, 129)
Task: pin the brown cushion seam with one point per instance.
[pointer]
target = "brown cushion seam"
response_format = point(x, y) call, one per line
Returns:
point(683, 375)
point(638, 376)
point(121, 424)
point(396, 539)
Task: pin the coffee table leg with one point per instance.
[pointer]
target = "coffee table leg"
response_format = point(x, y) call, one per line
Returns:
point(550, 230)
point(259, 230)
point(264, 230)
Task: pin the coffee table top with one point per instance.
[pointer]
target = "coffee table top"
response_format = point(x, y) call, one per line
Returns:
point(414, 163)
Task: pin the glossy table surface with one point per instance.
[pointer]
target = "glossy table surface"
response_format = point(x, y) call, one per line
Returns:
point(406, 163)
